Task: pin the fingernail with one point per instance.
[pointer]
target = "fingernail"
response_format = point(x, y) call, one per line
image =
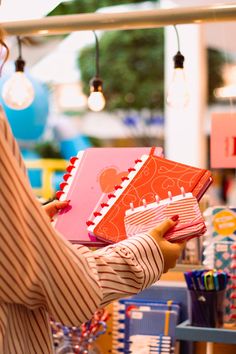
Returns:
point(175, 217)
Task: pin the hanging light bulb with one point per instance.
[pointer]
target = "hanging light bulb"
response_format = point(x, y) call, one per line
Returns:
point(178, 95)
point(18, 91)
point(96, 99)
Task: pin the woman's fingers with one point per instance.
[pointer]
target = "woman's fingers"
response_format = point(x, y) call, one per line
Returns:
point(52, 208)
point(164, 226)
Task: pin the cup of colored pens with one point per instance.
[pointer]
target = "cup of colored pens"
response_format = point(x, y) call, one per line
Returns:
point(206, 289)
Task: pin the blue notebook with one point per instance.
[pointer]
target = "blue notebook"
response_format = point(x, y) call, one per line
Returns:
point(145, 325)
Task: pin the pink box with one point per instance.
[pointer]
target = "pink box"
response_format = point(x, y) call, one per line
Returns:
point(223, 140)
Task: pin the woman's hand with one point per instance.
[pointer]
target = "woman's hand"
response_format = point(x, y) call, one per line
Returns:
point(171, 251)
point(52, 208)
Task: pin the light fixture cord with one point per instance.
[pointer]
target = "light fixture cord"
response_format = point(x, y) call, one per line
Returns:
point(97, 54)
point(19, 47)
point(177, 35)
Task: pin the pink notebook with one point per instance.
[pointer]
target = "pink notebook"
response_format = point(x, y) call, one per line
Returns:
point(150, 177)
point(144, 218)
point(92, 174)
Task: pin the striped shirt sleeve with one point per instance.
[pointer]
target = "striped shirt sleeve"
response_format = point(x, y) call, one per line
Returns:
point(12, 143)
point(39, 269)
point(128, 267)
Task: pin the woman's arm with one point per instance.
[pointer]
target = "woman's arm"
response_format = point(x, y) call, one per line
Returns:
point(129, 266)
point(39, 268)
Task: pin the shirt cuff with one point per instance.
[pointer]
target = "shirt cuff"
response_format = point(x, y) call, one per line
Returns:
point(147, 254)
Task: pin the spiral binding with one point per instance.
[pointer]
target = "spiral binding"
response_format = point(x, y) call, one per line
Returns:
point(66, 177)
point(158, 199)
point(117, 190)
point(118, 327)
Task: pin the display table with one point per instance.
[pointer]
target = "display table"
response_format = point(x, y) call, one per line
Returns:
point(185, 332)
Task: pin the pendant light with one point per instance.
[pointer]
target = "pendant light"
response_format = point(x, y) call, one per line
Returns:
point(96, 100)
point(18, 91)
point(178, 95)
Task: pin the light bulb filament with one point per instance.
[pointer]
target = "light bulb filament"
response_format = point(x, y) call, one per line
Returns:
point(18, 92)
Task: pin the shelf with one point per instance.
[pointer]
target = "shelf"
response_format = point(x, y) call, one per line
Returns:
point(181, 267)
point(186, 332)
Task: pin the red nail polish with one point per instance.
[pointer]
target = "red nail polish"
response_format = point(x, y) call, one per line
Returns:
point(175, 217)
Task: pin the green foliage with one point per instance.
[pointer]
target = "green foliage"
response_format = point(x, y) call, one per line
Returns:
point(83, 6)
point(48, 149)
point(131, 66)
point(96, 142)
point(132, 62)
point(215, 61)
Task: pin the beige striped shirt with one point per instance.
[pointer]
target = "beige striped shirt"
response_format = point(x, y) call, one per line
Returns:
point(43, 275)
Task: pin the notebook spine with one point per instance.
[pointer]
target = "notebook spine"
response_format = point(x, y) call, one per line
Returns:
point(118, 332)
point(105, 205)
point(67, 178)
point(208, 239)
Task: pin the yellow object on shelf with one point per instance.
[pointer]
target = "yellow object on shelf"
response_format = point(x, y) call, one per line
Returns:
point(48, 168)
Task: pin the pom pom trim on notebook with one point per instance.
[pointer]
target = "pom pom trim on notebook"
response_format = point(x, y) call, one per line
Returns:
point(118, 191)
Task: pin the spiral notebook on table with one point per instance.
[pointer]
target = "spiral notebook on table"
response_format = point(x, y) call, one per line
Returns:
point(150, 178)
point(144, 326)
point(144, 218)
point(92, 173)
point(146, 329)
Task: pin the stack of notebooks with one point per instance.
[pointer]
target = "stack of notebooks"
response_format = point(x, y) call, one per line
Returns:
point(119, 192)
point(218, 246)
point(92, 175)
point(144, 326)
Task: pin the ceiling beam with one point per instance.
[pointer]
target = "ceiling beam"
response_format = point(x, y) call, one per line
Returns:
point(121, 21)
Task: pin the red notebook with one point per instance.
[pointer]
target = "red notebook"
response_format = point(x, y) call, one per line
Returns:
point(152, 177)
point(93, 173)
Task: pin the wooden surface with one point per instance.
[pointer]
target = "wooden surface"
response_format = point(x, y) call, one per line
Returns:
point(218, 348)
point(173, 276)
